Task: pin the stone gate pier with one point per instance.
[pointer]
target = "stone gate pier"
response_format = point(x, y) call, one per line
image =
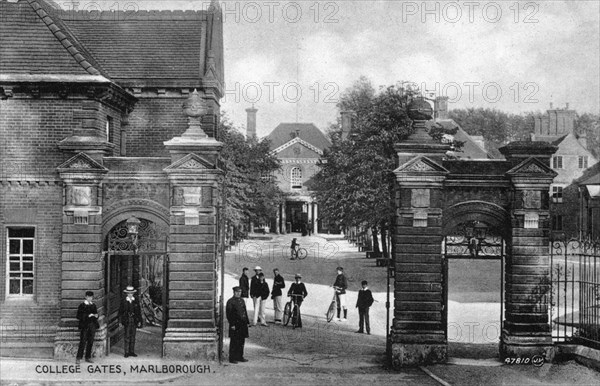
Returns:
point(435, 196)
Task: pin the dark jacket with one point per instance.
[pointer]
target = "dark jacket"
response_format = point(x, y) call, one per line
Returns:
point(298, 289)
point(245, 284)
point(237, 317)
point(278, 284)
point(83, 315)
point(342, 283)
point(264, 290)
point(132, 308)
point(365, 298)
point(254, 287)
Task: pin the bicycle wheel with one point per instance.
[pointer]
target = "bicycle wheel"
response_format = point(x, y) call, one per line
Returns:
point(331, 312)
point(295, 316)
point(287, 313)
point(302, 253)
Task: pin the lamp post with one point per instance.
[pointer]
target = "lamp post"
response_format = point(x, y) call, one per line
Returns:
point(133, 225)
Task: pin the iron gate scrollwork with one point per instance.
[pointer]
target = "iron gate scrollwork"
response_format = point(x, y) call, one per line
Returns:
point(141, 261)
point(575, 294)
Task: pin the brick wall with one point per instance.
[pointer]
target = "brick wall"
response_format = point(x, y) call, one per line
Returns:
point(40, 206)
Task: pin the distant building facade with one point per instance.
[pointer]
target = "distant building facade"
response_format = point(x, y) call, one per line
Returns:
point(570, 163)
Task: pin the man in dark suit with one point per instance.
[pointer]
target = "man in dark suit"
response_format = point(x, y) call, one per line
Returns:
point(87, 314)
point(364, 301)
point(237, 317)
point(245, 285)
point(130, 315)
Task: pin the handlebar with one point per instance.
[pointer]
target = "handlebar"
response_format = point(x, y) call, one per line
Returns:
point(294, 295)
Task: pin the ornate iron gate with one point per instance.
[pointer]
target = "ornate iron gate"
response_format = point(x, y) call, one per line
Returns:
point(575, 295)
point(141, 261)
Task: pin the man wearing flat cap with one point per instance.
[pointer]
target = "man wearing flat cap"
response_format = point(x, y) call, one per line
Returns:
point(237, 317)
point(130, 314)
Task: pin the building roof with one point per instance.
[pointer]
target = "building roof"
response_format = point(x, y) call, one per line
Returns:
point(470, 149)
point(308, 132)
point(590, 176)
point(142, 48)
point(34, 41)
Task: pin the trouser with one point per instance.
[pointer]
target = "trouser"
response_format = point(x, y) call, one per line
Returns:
point(363, 314)
point(259, 310)
point(86, 341)
point(299, 303)
point(278, 307)
point(129, 339)
point(236, 347)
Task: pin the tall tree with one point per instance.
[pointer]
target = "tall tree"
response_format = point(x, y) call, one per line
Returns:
point(251, 194)
point(590, 125)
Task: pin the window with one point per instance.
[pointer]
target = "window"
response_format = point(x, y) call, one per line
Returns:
point(583, 162)
point(557, 162)
point(20, 261)
point(557, 222)
point(109, 129)
point(557, 194)
point(296, 179)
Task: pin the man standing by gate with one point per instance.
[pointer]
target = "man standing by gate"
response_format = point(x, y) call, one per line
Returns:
point(130, 315)
point(87, 314)
point(237, 317)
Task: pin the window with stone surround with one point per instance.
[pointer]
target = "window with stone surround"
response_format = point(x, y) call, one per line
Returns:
point(557, 194)
point(296, 178)
point(20, 262)
point(109, 130)
point(557, 162)
point(583, 162)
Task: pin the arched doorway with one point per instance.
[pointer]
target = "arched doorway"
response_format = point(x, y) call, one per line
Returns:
point(137, 256)
point(474, 252)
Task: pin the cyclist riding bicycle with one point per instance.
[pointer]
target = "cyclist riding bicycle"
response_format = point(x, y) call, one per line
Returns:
point(298, 288)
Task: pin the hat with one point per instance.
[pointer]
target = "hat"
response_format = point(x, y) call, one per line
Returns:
point(130, 290)
point(298, 276)
point(89, 293)
point(237, 288)
point(339, 269)
point(258, 268)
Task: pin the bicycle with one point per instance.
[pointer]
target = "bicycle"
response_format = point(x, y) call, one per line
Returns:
point(153, 312)
point(290, 313)
point(297, 252)
point(331, 311)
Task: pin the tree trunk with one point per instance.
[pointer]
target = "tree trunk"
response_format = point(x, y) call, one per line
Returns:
point(376, 250)
point(384, 241)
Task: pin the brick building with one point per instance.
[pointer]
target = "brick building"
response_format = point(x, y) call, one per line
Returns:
point(570, 162)
point(94, 133)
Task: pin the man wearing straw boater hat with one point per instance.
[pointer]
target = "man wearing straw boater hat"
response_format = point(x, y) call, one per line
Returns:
point(130, 315)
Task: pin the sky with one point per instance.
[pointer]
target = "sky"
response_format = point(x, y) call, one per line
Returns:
point(294, 59)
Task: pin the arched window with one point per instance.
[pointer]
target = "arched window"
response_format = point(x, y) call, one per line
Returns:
point(296, 178)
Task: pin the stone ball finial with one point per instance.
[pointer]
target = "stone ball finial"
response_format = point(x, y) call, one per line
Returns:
point(420, 110)
point(194, 106)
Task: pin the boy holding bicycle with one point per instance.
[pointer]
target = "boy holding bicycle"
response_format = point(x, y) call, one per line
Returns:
point(340, 286)
point(298, 288)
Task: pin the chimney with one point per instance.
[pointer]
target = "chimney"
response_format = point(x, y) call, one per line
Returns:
point(440, 107)
point(251, 122)
point(551, 105)
point(297, 133)
point(346, 123)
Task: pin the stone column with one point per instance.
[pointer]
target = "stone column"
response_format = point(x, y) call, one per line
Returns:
point(278, 219)
point(82, 263)
point(526, 328)
point(194, 180)
point(316, 218)
point(283, 219)
point(418, 331)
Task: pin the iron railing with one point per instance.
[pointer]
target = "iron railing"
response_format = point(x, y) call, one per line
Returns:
point(575, 295)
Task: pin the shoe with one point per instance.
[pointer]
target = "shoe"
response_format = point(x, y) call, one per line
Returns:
point(132, 354)
point(344, 320)
point(243, 360)
point(338, 319)
point(234, 362)
point(358, 332)
point(77, 361)
point(264, 324)
point(126, 355)
point(88, 360)
point(368, 333)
